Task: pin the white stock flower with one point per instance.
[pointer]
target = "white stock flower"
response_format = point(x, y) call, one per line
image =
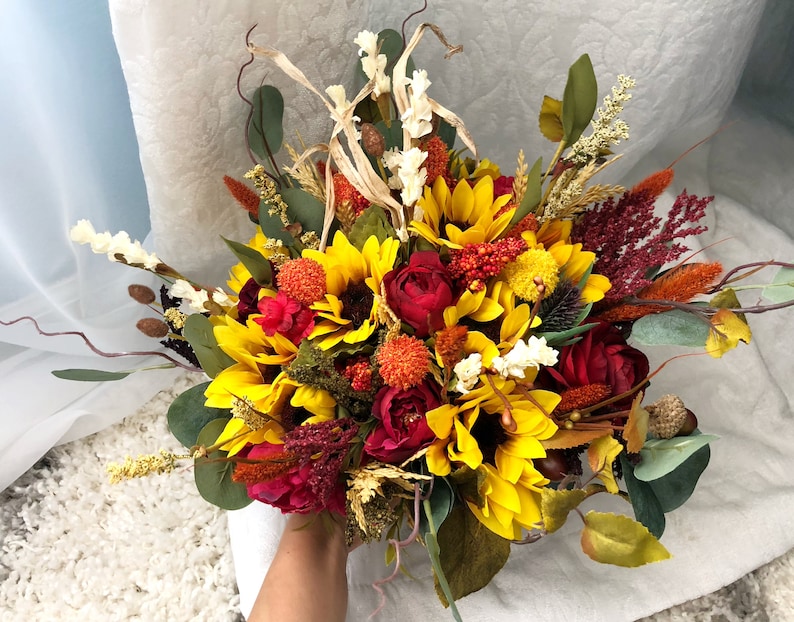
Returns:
point(417, 118)
point(83, 232)
point(373, 64)
point(136, 254)
point(411, 176)
point(184, 290)
point(468, 371)
point(337, 94)
point(221, 297)
point(532, 353)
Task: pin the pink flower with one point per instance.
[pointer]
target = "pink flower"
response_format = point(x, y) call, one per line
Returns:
point(402, 429)
point(285, 316)
point(291, 492)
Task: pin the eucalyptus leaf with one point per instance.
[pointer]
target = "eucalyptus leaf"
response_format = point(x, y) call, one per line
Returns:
point(304, 208)
point(187, 414)
point(533, 194)
point(441, 501)
point(674, 327)
point(272, 226)
point(647, 508)
point(198, 331)
point(447, 133)
point(662, 456)
point(676, 487)
point(560, 337)
point(782, 286)
point(579, 100)
point(213, 473)
point(392, 134)
point(265, 131)
point(254, 261)
point(91, 375)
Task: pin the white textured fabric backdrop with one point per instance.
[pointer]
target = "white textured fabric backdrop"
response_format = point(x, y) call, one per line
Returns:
point(180, 61)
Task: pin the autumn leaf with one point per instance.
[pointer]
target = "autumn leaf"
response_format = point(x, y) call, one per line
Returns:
point(620, 541)
point(555, 505)
point(550, 119)
point(600, 455)
point(727, 331)
point(636, 428)
point(565, 439)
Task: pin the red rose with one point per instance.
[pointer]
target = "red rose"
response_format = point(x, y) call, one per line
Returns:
point(402, 429)
point(602, 356)
point(291, 492)
point(285, 316)
point(419, 292)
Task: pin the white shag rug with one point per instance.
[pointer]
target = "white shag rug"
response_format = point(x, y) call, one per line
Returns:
point(74, 547)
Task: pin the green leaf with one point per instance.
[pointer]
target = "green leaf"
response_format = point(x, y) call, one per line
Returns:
point(187, 415)
point(434, 552)
point(647, 508)
point(392, 134)
point(662, 456)
point(372, 221)
point(782, 287)
point(440, 503)
point(265, 131)
point(532, 196)
point(579, 100)
point(272, 226)
point(213, 473)
point(447, 133)
point(560, 337)
point(675, 327)
point(198, 331)
point(254, 261)
point(675, 488)
point(470, 553)
point(304, 208)
point(620, 541)
point(91, 375)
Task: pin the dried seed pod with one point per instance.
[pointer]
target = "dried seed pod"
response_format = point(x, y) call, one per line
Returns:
point(152, 327)
point(372, 140)
point(141, 293)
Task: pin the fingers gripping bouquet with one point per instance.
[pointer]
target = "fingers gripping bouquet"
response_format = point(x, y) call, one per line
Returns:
point(437, 351)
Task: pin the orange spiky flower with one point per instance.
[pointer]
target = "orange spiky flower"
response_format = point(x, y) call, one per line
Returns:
point(449, 344)
point(527, 223)
point(250, 473)
point(655, 183)
point(681, 284)
point(246, 197)
point(576, 398)
point(437, 162)
point(404, 361)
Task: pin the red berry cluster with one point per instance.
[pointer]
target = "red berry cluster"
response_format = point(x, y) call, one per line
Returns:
point(476, 263)
point(359, 372)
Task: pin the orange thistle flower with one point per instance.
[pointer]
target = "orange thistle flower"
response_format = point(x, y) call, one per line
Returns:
point(403, 361)
point(527, 223)
point(246, 197)
point(345, 191)
point(581, 397)
point(449, 344)
point(681, 284)
point(302, 279)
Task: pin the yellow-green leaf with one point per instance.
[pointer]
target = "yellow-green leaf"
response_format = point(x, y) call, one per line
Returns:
point(550, 119)
point(600, 455)
point(636, 429)
point(565, 439)
point(579, 100)
point(727, 299)
point(555, 505)
point(727, 331)
point(619, 540)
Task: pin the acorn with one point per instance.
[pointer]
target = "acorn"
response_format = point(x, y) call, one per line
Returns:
point(666, 416)
point(690, 425)
point(554, 466)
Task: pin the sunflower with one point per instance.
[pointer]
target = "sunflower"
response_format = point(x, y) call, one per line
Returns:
point(470, 432)
point(552, 257)
point(467, 215)
point(349, 310)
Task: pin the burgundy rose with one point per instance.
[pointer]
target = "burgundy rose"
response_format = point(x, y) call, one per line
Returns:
point(248, 299)
point(285, 316)
point(402, 429)
point(602, 356)
point(419, 292)
point(502, 185)
point(290, 492)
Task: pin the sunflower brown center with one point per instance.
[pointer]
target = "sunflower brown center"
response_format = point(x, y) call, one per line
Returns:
point(489, 434)
point(357, 303)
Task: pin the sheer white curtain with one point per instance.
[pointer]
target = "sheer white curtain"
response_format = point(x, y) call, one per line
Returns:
point(68, 152)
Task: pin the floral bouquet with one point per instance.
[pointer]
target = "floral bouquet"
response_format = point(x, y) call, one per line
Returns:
point(435, 350)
